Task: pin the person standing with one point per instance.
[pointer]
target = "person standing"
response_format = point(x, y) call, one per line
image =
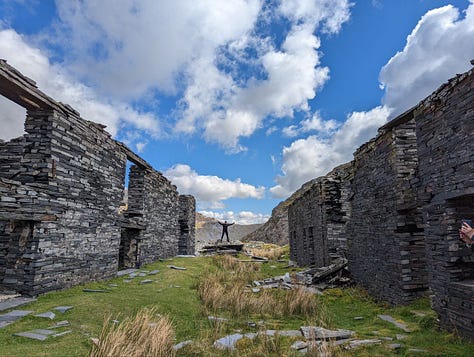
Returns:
point(225, 231)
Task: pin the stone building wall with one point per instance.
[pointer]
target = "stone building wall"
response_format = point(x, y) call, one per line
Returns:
point(61, 188)
point(386, 240)
point(187, 219)
point(445, 134)
point(317, 219)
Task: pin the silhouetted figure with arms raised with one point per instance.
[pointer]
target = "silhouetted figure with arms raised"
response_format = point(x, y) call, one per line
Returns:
point(224, 229)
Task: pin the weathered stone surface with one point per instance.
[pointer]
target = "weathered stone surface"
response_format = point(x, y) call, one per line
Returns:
point(15, 302)
point(63, 309)
point(62, 215)
point(390, 319)
point(47, 315)
point(320, 333)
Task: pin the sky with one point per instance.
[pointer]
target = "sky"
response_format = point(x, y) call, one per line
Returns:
point(237, 102)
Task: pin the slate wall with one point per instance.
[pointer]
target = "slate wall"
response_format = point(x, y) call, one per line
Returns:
point(187, 222)
point(386, 240)
point(61, 189)
point(445, 134)
point(317, 219)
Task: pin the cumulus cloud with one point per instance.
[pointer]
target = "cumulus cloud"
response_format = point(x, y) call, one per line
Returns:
point(243, 217)
point(150, 48)
point(314, 123)
point(440, 46)
point(315, 156)
point(210, 191)
point(57, 83)
point(293, 75)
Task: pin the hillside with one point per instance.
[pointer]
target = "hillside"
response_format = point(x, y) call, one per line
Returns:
point(207, 229)
point(275, 230)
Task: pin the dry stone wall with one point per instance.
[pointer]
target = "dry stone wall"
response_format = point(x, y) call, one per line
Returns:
point(445, 134)
point(409, 190)
point(386, 244)
point(61, 187)
point(187, 225)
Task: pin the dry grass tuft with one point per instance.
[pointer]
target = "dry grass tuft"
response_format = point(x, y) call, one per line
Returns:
point(146, 334)
point(273, 253)
point(299, 302)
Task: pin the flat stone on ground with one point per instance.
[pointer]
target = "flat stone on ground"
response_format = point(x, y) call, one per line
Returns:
point(94, 290)
point(180, 345)
point(32, 335)
point(125, 272)
point(59, 324)
point(176, 268)
point(299, 345)
point(228, 342)
point(48, 315)
point(15, 302)
point(63, 309)
point(357, 343)
point(320, 333)
point(154, 272)
point(146, 281)
point(390, 319)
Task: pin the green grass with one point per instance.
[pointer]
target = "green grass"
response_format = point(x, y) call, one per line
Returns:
point(182, 305)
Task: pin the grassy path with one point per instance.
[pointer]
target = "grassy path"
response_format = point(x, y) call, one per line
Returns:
point(174, 293)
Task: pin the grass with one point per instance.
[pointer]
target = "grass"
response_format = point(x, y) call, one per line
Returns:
point(183, 300)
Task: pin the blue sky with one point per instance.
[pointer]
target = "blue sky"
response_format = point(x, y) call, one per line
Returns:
point(238, 102)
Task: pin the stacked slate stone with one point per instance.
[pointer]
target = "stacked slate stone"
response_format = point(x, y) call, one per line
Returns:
point(445, 132)
point(308, 243)
point(318, 218)
point(59, 216)
point(336, 190)
point(160, 212)
point(10, 155)
point(187, 223)
point(386, 241)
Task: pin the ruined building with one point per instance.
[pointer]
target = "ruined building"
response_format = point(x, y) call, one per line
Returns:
point(61, 191)
point(410, 187)
point(318, 219)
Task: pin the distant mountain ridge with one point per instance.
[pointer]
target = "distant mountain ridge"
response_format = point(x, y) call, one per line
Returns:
point(275, 230)
point(208, 229)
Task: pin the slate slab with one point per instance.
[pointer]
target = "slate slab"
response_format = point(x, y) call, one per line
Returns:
point(12, 316)
point(180, 345)
point(47, 315)
point(15, 302)
point(125, 272)
point(228, 342)
point(146, 281)
point(31, 335)
point(320, 333)
point(390, 319)
point(154, 272)
point(94, 290)
point(357, 343)
point(59, 325)
point(176, 268)
point(43, 332)
point(63, 309)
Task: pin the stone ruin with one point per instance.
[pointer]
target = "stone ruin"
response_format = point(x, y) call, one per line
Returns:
point(62, 220)
point(399, 204)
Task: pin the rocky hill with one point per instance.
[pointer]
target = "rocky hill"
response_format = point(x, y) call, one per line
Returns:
point(275, 230)
point(207, 229)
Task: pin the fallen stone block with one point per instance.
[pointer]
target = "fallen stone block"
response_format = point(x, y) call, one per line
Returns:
point(175, 267)
point(228, 342)
point(31, 335)
point(320, 333)
point(358, 343)
point(63, 309)
point(47, 315)
point(180, 345)
point(390, 319)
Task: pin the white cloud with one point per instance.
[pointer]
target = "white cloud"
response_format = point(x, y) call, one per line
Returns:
point(314, 123)
point(210, 191)
point(156, 43)
point(55, 82)
point(440, 46)
point(314, 156)
point(243, 217)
